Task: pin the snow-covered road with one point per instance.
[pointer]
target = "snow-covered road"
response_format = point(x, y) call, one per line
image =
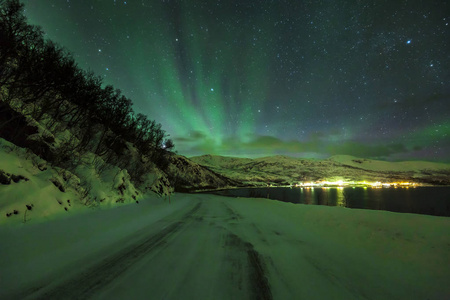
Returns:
point(210, 247)
point(189, 252)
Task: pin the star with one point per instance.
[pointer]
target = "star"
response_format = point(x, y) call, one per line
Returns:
point(286, 65)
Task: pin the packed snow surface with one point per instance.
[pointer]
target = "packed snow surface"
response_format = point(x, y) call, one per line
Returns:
point(212, 247)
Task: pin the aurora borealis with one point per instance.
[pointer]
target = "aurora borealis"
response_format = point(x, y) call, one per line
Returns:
point(256, 78)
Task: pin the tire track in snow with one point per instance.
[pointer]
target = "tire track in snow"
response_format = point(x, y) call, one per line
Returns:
point(83, 285)
point(256, 268)
point(258, 279)
point(259, 283)
point(246, 260)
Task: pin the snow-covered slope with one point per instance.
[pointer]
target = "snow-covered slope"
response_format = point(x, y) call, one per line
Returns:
point(287, 170)
point(187, 175)
point(225, 162)
point(40, 191)
point(32, 190)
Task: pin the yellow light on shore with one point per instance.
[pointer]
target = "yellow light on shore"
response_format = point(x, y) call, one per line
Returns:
point(342, 183)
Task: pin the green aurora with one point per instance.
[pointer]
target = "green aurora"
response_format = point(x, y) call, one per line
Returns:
point(258, 78)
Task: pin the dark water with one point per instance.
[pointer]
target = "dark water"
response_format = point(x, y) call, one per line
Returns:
point(420, 200)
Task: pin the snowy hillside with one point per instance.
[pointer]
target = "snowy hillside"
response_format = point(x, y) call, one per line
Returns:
point(283, 170)
point(32, 190)
point(187, 175)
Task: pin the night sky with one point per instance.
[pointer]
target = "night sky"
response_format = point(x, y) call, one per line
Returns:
point(257, 78)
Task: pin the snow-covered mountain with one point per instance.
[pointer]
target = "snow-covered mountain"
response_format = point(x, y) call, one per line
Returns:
point(284, 170)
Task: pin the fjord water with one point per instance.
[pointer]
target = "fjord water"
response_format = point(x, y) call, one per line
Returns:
point(420, 200)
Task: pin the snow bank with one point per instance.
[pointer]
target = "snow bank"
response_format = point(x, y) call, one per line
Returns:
point(32, 190)
point(43, 193)
point(109, 186)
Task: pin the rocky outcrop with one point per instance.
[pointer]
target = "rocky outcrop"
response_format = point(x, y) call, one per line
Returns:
point(7, 178)
point(25, 132)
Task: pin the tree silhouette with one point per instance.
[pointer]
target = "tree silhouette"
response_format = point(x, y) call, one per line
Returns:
point(41, 80)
